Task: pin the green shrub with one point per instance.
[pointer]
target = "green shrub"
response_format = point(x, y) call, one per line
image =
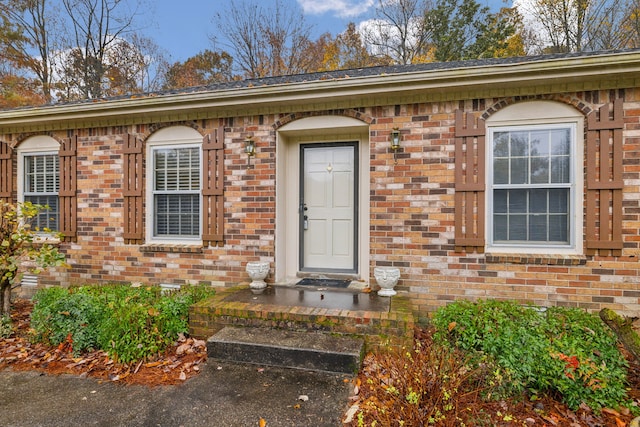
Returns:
point(129, 323)
point(561, 350)
point(6, 329)
point(147, 323)
point(61, 315)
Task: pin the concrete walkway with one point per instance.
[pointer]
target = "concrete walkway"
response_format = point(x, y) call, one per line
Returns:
point(223, 394)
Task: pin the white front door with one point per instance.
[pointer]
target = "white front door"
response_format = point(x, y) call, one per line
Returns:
point(328, 195)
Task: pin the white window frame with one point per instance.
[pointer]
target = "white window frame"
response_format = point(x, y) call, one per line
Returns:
point(539, 115)
point(39, 145)
point(177, 137)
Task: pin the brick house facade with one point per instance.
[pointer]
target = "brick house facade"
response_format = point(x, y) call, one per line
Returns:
point(159, 188)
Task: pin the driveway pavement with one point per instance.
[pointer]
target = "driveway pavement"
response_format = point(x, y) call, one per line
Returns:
point(223, 394)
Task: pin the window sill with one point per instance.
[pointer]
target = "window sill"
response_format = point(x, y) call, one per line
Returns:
point(170, 248)
point(539, 259)
point(45, 240)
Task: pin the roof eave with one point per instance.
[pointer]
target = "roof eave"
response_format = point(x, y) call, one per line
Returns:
point(385, 85)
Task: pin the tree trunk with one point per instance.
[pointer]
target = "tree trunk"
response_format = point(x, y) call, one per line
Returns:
point(5, 297)
point(623, 328)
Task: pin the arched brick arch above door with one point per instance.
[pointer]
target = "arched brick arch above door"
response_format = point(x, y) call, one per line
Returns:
point(355, 114)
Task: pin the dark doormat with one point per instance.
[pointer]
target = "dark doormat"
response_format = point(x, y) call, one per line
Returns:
point(330, 283)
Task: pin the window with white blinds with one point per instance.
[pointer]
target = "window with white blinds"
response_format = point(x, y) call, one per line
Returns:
point(41, 185)
point(176, 191)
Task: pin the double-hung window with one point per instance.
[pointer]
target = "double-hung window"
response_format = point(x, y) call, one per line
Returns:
point(176, 192)
point(39, 179)
point(534, 192)
point(41, 184)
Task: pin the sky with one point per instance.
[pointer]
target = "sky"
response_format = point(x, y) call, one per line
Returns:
point(183, 27)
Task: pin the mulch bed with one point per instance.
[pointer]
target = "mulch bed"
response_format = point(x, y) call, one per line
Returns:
point(545, 411)
point(177, 364)
point(183, 360)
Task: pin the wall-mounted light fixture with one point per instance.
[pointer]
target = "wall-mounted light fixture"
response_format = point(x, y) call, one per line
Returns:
point(249, 147)
point(395, 139)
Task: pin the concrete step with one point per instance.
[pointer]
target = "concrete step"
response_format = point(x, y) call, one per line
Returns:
point(273, 347)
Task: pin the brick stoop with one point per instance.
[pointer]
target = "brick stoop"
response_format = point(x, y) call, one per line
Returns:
point(276, 347)
point(381, 329)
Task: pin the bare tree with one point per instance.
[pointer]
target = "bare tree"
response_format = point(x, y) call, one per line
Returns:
point(28, 39)
point(96, 26)
point(399, 31)
point(144, 61)
point(632, 24)
point(348, 50)
point(265, 40)
point(610, 25)
point(582, 25)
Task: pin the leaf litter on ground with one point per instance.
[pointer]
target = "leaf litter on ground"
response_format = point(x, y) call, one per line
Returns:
point(174, 366)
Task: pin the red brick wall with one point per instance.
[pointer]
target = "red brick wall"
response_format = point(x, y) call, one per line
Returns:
point(411, 215)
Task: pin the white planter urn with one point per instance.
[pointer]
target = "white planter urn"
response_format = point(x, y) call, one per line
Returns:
point(258, 271)
point(387, 278)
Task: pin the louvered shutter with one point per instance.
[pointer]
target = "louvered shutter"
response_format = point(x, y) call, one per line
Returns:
point(469, 183)
point(68, 186)
point(6, 173)
point(132, 190)
point(212, 188)
point(604, 180)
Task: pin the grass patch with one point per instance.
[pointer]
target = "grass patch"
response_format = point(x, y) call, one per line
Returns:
point(128, 323)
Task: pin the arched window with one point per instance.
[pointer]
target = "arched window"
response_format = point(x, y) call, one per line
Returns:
point(174, 196)
point(39, 178)
point(534, 159)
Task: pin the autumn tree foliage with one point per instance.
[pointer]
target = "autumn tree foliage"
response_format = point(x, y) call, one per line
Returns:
point(581, 25)
point(28, 41)
point(19, 244)
point(77, 49)
point(18, 91)
point(415, 31)
point(266, 39)
point(97, 28)
point(348, 51)
point(205, 68)
point(463, 29)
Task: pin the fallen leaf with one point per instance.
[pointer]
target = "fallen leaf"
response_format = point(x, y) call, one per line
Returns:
point(296, 406)
point(620, 423)
point(262, 423)
point(182, 376)
point(611, 412)
point(152, 364)
point(348, 417)
point(451, 326)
